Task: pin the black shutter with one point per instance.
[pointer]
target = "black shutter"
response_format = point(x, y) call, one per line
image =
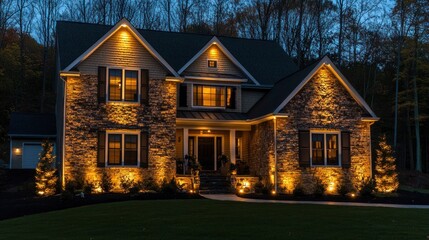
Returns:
point(345, 149)
point(101, 149)
point(144, 86)
point(102, 84)
point(144, 149)
point(183, 95)
point(232, 98)
point(304, 148)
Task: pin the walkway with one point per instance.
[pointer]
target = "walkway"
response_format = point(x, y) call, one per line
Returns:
point(235, 198)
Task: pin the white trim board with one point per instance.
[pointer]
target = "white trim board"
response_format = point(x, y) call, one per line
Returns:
point(122, 23)
point(328, 63)
point(216, 41)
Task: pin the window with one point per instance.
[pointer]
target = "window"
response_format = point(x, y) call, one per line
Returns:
point(324, 149)
point(212, 63)
point(238, 147)
point(213, 96)
point(123, 85)
point(122, 149)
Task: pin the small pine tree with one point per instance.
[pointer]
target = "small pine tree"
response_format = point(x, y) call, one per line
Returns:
point(386, 177)
point(46, 176)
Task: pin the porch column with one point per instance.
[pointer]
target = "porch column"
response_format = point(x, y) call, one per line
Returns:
point(232, 145)
point(185, 148)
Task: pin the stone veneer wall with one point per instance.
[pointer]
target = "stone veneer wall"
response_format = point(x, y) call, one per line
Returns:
point(323, 103)
point(85, 117)
point(261, 158)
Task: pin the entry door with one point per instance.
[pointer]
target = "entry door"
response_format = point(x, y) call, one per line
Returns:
point(206, 152)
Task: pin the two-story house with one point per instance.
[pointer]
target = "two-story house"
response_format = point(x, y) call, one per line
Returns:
point(133, 101)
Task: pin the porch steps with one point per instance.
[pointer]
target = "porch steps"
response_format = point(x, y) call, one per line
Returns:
point(214, 183)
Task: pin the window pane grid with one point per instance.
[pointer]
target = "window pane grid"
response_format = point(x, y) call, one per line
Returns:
point(115, 84)
point(325, 150)
point(122, 149)
point(114, 155)
point(131, 85)
point(209, 96)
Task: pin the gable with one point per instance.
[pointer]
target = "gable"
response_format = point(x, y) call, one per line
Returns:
point(324, 100)
point(224, 65)
point(123, 49)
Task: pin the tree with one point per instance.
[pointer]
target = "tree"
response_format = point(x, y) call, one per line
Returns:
point(386, 177)
point(46, 173)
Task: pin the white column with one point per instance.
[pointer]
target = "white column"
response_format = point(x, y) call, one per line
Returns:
point(185, 141)
point(232, 145)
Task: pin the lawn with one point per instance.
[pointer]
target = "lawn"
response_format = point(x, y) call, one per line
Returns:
point(207, 219)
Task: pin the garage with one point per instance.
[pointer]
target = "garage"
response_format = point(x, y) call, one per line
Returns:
point(27, 132)
point(30, 155)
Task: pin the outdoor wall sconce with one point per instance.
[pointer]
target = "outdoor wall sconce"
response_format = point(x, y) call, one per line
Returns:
point(17, 151)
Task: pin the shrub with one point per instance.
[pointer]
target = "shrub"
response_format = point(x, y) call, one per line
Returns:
point(267, 189)
point(70, 186)
point(299, 190)
point(319, 188)
point(345, 187)
point(259, 186)
point(46, 178)
point(135, 189)
point(106, 182)
point(386, 176)
point(66, 195)
point(367, 188)
point(126, 183)
point(88, 188)
point(149, 184)
point(169, 187)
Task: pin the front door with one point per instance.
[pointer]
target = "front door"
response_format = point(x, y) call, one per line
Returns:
point(206, 152)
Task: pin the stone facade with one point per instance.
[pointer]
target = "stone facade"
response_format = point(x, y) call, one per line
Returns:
point(261, 159)
point(85, 117)
point(322, 104)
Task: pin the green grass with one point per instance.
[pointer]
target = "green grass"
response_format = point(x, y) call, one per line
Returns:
point(207, 219)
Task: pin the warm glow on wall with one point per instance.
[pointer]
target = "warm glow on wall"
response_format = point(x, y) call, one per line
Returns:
point(17, 151)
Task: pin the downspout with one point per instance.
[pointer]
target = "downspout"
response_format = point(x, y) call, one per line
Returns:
point(64, 134)
point(275, 154)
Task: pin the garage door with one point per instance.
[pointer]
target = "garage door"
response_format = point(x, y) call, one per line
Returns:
point(30, 155)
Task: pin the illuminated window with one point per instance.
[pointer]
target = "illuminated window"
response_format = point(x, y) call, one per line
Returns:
point(238, 147)
point(212, 63)
point(213, 96)
point(123, 85)
point(324, 149)
point(122, 149)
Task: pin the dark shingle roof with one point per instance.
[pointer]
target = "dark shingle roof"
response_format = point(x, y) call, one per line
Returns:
point(265, 60)
point(210, 115)
point(32, 124)
point(281, 90)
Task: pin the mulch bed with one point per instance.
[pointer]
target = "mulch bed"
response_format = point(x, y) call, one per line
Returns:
point(403, 197)
point(11, 207)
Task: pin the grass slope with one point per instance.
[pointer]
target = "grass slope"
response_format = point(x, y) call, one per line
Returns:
point(206, 219)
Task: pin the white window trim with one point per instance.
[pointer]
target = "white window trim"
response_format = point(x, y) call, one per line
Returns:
point(123, 69)
point(211, 85)
point(324, 132)
point(122, 133)
point(212, 59)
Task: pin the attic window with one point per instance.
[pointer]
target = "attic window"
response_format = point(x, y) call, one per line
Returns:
point(212, 63)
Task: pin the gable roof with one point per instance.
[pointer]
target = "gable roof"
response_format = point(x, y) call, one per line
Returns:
point(265, 60)
point(285, 89)
point(106, 36)
point(32, 124)
point(225, 51)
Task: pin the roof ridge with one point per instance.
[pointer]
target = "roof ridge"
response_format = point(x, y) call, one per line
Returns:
point(175, 32)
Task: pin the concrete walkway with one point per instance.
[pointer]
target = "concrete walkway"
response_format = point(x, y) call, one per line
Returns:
point(235, 198)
